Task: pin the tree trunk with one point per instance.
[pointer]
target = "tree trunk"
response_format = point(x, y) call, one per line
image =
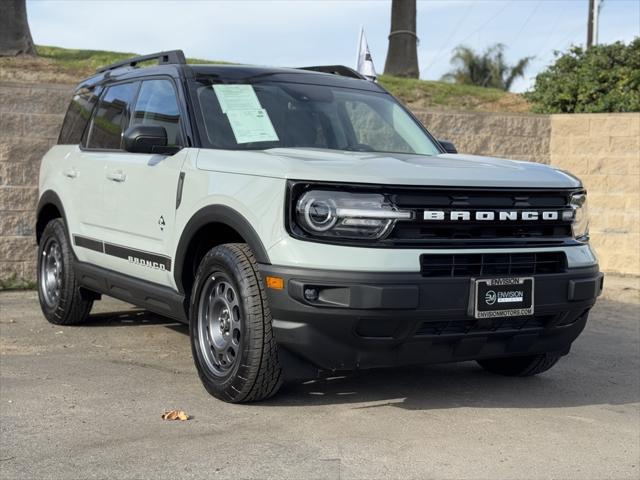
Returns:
point(15, 36)
point(402, 56)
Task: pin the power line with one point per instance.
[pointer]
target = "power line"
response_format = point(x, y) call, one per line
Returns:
point(572, 33)
point(451, 36)
point(504, 7)
point(529, 17)
point(549, 35)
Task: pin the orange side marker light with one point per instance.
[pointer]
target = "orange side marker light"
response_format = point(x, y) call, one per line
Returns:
point(276, 283)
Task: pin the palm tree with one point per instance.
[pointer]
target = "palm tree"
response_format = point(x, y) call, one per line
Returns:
point(15, 36)
point(402, 56)
point(488, 69)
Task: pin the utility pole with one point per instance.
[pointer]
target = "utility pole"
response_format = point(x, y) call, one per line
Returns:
point(596, 17)
point(592, 22)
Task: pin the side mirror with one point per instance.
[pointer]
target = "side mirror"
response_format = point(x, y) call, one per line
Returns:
point(147, 139)
point(449, 147)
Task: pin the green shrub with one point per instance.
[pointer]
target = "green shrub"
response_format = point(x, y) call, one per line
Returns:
point(603, 78)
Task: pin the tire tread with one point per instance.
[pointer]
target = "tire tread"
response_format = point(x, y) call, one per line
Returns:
point(262, 375)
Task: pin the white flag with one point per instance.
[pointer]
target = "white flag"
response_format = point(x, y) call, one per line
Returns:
point(364, 64)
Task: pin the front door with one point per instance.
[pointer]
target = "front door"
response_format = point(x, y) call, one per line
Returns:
point(142, 190)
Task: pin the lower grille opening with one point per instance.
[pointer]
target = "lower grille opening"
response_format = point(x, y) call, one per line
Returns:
point(466, 265)
point(468, 326)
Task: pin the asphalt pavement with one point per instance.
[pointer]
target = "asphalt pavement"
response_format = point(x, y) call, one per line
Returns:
point(86, 401)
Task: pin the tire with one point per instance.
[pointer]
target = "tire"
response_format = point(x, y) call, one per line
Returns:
point(520, 366)
point(58, 291)
point(232, 341)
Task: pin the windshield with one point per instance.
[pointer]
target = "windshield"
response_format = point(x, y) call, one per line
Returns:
point(293, 115)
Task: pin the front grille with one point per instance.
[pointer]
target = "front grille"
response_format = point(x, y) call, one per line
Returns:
point(410, 233)
point(481, 264)
point(470, 326)
point(478, 233)
point(492, 217)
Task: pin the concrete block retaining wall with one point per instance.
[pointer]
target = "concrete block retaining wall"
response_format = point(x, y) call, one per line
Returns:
point(602, 149)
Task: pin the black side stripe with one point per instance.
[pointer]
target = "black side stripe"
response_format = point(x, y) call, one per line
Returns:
point(138, 257)
point(89, 243)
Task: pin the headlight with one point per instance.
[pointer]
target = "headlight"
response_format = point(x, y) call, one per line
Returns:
point(347, 215)
point(580, 216)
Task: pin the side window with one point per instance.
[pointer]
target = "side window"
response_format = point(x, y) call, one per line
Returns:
point(157, 105)
point(111, 118)
point(77, 117)
point(374, 130)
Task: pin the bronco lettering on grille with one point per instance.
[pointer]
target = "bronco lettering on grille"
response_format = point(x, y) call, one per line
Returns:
point(490, 215)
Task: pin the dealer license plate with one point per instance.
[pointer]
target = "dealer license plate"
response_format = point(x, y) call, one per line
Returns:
point(503, 297)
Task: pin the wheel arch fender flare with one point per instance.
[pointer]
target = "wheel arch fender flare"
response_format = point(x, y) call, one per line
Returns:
point(47, 199)
point(216, 214)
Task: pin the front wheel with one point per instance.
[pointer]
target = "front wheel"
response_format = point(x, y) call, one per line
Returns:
point(520, 366)
point(230, 327)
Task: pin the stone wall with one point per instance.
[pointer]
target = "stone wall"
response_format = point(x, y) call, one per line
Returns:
point(604, 151)
point(30, 118)
point(516, 136)
point(601, 149)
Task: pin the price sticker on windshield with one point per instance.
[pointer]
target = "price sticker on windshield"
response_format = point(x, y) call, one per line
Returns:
point(252, 126)
point(236, 97)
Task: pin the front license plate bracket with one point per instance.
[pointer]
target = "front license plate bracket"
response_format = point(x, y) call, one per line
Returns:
point(502, 297)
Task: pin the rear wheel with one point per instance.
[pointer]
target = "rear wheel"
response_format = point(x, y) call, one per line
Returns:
point(58, 292)
point(520, 366)
point(230, 327)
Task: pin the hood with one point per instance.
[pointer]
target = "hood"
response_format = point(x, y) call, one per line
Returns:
point(386, 168)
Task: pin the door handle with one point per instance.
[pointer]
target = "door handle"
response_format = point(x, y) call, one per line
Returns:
point(70, 173)
point(117, 176)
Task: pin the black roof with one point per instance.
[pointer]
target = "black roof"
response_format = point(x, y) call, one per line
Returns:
point(252, 73)
point(172, 63)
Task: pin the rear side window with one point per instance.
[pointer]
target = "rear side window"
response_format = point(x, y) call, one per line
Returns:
point(77, 117)
point(112, 117)
point(157, 105)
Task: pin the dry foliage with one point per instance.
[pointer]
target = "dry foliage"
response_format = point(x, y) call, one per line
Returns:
point(175, 415)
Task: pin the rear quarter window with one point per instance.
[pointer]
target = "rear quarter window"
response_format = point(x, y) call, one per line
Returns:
point(77, 117)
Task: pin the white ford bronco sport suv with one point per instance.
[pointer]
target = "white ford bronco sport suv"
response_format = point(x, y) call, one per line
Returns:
point(303, 221)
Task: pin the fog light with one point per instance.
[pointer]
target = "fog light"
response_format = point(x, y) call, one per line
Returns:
point(311, 294)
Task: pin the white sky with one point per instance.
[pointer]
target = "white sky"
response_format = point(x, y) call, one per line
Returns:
point(312, 32)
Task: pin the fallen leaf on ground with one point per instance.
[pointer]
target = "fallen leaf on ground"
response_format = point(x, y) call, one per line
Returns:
point(175, 415)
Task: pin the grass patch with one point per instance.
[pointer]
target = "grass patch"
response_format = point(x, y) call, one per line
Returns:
point(442, 95)
point(66, 65)
point(80, 60)
point(15, 283)
point(87, 61)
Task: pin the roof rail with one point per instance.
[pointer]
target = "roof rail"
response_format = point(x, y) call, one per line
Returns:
point(170, 57)
point(336, 70)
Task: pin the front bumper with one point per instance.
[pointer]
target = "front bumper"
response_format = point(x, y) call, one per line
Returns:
point(368, 320)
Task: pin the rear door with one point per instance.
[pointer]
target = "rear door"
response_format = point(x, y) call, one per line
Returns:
point(142, 189)
point(102, 140)
point(72, 177)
